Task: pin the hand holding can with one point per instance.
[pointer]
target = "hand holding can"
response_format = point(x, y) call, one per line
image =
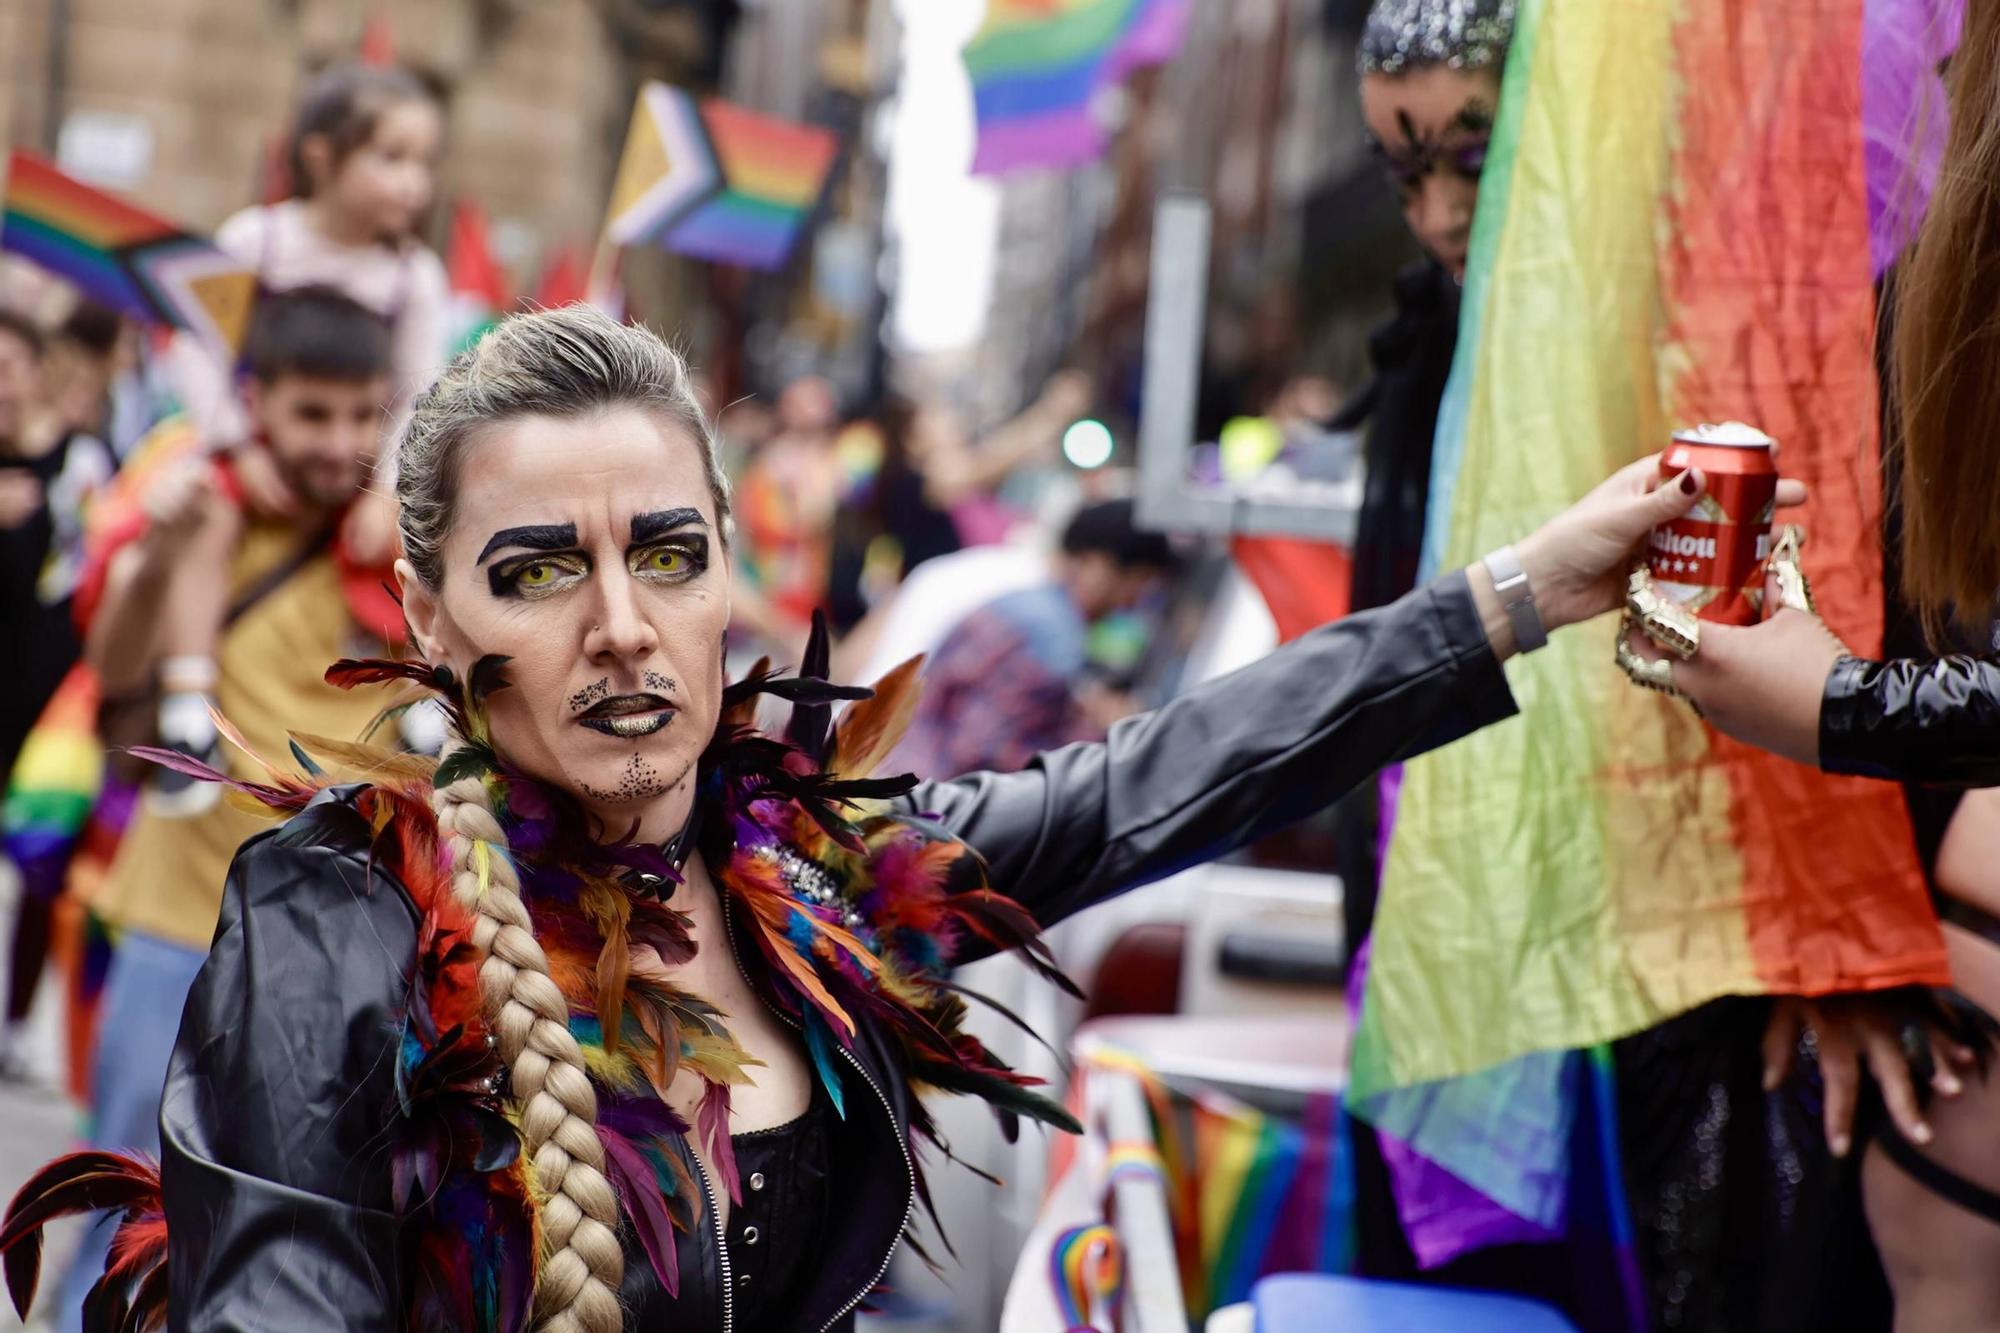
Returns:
point(1711, 560)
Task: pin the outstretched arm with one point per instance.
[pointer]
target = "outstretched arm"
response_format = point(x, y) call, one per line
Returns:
point(1232, 759)
point(1267, 745)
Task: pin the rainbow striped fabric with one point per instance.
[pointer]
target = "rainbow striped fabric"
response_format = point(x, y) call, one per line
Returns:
point(714, 181)
point(1673, 227)
point(1248, 1194)
point(1038, 66)
point(1087, 1272)
point(55, 781)
point(122, 256)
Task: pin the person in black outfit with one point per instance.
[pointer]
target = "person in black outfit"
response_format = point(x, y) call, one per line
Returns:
point(47, 472)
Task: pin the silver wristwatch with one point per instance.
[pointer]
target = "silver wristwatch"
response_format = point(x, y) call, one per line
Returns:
point(1517, 597)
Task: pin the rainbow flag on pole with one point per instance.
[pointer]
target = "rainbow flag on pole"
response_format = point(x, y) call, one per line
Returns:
point(1248, 1194)
point(715, 181)
point(1674, 226)
point(122, 256)
point(1039, 66)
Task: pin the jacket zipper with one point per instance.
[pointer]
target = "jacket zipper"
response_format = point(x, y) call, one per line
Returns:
point(902, 1145)
point(721, 1244)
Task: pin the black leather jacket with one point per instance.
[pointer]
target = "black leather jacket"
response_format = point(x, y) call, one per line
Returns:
point(1920, 720)
point(273, 1125)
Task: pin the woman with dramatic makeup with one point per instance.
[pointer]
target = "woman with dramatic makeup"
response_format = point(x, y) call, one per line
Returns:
point(617, 1016)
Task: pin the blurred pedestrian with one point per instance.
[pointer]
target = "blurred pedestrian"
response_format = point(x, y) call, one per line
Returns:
point(1011, 680)
point(319, 364)
point(890, 521)
point(49, 470)
point(786, 499)
point(363, 164)
point(986, 481)
point(82, 360)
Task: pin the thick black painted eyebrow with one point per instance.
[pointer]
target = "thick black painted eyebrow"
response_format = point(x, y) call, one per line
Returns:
point(536, 537)
point(645, 527)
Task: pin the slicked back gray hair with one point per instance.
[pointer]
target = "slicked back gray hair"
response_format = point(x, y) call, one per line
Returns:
point(564, 362)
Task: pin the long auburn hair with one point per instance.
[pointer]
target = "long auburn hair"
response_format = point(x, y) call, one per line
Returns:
point(1946, 347)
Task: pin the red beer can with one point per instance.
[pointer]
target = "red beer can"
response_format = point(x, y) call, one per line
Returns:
point(1711, 560)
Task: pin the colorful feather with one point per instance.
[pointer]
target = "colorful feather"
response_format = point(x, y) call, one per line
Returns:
point(632, 1176)
point(819, 1045)
point(88, 1182)
point(712, 1123)
point(871, 727)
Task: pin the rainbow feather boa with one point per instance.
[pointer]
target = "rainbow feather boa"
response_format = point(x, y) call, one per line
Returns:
point(866, 936)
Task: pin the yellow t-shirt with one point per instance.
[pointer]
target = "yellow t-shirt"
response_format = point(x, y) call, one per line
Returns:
point(168, 875)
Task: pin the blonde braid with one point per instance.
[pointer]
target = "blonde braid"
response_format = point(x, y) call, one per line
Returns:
point(576, 1288)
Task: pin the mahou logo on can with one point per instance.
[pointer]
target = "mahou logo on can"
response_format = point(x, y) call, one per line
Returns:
point(1711, 560)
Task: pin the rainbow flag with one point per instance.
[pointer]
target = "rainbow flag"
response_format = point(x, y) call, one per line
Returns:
point(715, 181)
point(1674, 226)
point(122, 256)
point(55, 781)
point(1248, 1194)
point(1038, 67)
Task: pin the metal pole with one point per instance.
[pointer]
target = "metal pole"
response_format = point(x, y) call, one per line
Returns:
point(1175, 311)
point(55, 93)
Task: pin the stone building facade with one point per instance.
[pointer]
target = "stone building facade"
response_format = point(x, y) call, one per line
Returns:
point(536, 92)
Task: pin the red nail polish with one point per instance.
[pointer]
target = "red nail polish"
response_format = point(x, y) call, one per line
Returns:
point(1688, 483)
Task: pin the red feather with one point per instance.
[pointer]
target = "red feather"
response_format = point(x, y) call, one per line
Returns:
point(82, 1182)
point(712, 1122)
point(292, 796)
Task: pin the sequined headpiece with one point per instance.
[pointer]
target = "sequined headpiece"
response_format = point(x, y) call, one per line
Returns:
point(1408, 34)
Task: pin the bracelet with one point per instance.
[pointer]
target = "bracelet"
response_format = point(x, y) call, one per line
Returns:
point(1517, 598)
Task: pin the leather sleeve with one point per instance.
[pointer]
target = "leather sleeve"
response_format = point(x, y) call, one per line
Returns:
point(1231, 760)
point(1923, 720)
point(274, 1152)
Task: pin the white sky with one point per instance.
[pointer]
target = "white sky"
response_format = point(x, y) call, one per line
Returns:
point(947, 220)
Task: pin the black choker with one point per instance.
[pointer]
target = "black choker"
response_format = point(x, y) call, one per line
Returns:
point(677, 850)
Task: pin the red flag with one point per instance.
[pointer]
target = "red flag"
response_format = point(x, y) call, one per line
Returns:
point(469, 262)
point(565, 279)
point(1305, 583)
point(378, 41)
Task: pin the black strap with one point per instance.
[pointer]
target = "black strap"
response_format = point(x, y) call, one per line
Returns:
point(1968, 916)
point(278, 575)
point(1939, 1180)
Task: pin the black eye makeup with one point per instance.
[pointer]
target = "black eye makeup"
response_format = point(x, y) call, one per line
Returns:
point(533, 577)
point(534, 536)
point(1460, 148)
point(676, 560)
point(645, 527)
point(667, 549)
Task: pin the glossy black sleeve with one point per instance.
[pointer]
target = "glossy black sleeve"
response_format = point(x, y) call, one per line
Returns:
point(274, 1164)
point(1233, 759)
point(1921, 720)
